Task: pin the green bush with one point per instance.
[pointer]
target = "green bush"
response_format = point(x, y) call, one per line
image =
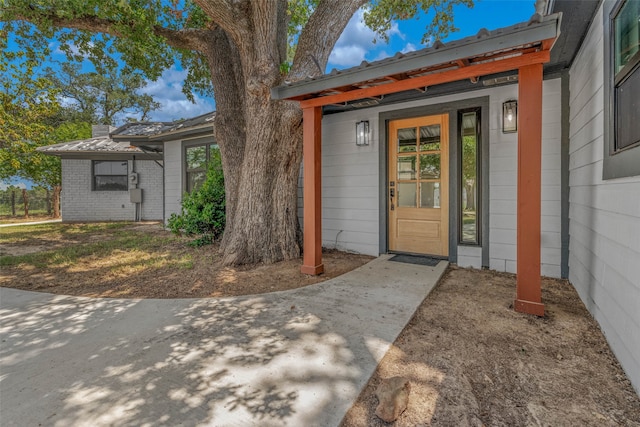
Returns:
point(203, 210)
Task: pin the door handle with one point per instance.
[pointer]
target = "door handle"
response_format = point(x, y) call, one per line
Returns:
point(392, 193)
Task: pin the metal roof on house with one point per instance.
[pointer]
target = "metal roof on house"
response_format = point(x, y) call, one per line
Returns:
point(483, 47)
point(133, 138)
point(102, 144)
point(159, 129)
point(142, 128)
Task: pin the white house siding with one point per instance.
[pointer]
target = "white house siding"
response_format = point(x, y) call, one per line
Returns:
point(80, 203)
point(172, 177)
point(503, 178)
point(350, 187)
point(604, 216)
point(150, 180)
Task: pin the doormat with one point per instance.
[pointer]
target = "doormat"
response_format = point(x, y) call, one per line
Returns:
point(414, 259)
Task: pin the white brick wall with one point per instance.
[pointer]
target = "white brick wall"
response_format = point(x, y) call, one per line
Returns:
point(79, 203)
point(351, 190)
point(604, 216)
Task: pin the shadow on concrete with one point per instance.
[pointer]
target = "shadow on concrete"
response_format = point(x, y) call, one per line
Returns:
point(290, 358)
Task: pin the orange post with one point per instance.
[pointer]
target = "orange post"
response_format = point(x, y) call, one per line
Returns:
point(312, 173)
point(528, 292)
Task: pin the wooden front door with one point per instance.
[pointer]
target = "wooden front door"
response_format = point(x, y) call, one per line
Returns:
point(418, 187)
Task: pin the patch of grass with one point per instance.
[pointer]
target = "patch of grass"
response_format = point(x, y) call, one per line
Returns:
point(9, 219)
point(125, 241)
point(24, 233)
point(185, 262)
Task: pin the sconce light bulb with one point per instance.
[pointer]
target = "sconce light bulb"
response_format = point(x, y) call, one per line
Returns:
point(510, 116)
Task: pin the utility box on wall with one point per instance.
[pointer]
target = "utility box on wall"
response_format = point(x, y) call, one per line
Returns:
point(135, 195)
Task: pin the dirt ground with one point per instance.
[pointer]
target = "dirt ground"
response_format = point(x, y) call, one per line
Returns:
point(472, 361)
point(166, 269)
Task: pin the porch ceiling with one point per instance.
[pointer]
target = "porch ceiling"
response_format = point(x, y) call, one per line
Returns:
point(488, 52)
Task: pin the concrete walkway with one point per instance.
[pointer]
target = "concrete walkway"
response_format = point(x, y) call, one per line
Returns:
point(293, 358)
point(16, 224)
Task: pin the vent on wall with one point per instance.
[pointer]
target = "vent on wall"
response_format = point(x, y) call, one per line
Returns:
point(365, 103)
point(500, 80)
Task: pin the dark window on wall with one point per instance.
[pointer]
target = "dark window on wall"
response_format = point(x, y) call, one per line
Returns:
point(626, 51)
point(110, 175)
point(197, 158)
point(469, 188)
point(622, 89)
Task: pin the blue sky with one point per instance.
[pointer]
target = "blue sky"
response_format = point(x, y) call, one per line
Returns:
point(355, 45)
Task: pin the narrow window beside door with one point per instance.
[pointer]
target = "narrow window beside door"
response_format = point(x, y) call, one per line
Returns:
point(469, 224)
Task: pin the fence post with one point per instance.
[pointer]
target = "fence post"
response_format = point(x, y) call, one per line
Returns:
point(25, 200)
point(13, 202)
point(48, 202)
point(56, 201)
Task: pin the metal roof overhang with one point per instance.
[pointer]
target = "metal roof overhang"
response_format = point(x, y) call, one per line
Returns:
point(106, 155)
point(489, 52)
point(156, 142)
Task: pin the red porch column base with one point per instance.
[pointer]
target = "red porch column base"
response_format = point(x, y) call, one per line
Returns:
point(529, 307)
point(314, 271)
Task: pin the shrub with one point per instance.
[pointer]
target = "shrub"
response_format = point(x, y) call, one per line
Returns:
point(203, 210)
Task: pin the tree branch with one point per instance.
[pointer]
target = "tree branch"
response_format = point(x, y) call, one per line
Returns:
point(230, 15)
point(320, 35)
point(188, 38)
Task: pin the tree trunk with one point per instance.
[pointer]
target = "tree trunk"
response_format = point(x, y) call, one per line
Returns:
point(470, 190)
point(260, 143)
point(13, 202)
point(56, 201)
point(260, 139)
point(265, 222)
point(25, 201)
point(48, 199)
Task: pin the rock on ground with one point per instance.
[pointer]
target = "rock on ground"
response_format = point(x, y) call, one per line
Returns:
point(393, 398)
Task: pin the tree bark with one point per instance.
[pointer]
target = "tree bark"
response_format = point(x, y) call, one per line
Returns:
point(13, 202)
point(25, 201)
point(471, 201)
point(55, 199)
point(259, 139)
point(264, 224)
point(48, 199)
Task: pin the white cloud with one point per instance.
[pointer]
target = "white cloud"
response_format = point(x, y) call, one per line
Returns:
point(356, 41)
point(381, 55)
point(409, 47)
point(347, 56)
point(167, 90)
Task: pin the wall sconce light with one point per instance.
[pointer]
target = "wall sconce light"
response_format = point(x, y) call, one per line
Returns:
point(362, 133)
point(510, 116)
